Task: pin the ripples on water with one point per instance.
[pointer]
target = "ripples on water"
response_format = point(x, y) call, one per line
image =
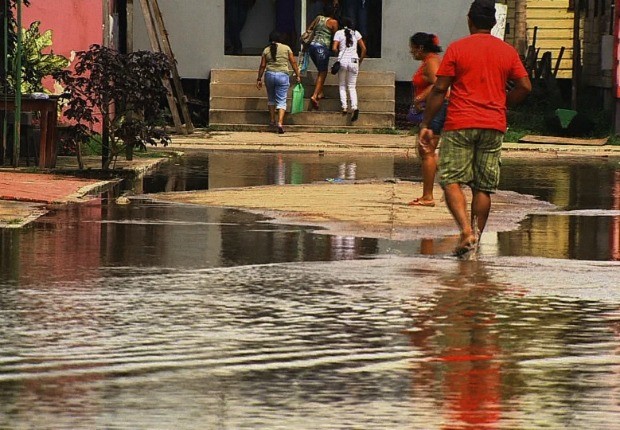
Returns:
point(157, 317)
point(388, 343)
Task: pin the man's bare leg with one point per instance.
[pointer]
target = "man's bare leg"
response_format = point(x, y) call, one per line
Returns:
point(480, 209)
point(457, 203)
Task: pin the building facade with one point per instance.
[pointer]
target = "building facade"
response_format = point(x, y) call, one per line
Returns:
point(198, 31)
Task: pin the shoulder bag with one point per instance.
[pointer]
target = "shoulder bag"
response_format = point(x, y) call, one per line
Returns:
point(308, 35)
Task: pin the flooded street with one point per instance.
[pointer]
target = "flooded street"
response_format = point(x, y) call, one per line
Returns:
point(160, 316)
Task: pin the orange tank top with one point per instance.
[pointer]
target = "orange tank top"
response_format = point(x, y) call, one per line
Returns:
point(418, 81)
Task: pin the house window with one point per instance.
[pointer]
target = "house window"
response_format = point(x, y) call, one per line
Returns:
point(249, 22)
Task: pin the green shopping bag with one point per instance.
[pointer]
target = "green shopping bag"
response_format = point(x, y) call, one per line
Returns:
point(298, 98)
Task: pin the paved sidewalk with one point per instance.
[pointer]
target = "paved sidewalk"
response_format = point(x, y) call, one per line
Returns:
point(399, 142)
point(44, 188)
point(24, 195)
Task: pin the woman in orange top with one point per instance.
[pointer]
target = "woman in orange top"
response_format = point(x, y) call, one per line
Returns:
point(425, 47)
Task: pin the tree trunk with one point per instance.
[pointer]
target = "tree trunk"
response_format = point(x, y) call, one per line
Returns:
point(521, 27)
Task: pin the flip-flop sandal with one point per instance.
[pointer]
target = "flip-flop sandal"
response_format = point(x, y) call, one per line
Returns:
point(314, 103)
point(419, 202)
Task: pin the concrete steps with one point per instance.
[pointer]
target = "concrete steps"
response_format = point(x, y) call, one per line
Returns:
point(236, 103)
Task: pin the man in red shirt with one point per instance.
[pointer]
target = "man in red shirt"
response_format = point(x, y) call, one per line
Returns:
point(476, 69)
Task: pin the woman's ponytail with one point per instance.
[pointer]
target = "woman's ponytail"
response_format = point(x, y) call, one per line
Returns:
point(273, 50)
point(348, 24)
point(274, 38)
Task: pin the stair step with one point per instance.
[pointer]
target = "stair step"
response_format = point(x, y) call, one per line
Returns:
point(377, 92)
point(314, 118)
point(236, 103)
point(240, 76)
point(260, 104)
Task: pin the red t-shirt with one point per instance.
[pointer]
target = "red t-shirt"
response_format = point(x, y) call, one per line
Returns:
point(480, 66)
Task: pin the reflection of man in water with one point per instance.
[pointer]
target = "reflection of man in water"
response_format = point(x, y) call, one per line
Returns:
point(236, 12)
point(459, 335)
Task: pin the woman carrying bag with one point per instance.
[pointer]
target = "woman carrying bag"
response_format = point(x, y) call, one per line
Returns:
point(274, 65)
point(346, 42)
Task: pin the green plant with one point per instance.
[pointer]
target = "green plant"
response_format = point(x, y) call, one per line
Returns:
point(7, 72)
point(614, 140)
point(119, 95)
point(36, 65)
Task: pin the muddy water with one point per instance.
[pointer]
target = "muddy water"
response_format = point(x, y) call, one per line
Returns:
point(158, 316)
point(585, 224)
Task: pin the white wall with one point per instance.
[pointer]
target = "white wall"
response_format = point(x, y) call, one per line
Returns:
point(196, 32)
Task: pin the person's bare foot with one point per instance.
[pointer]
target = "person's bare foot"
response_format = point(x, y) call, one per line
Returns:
point(467, 243)
point(314, 103)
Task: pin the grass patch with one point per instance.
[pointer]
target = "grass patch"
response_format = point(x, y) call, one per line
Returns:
point(392, 131)
point(614, 140)
point(151, 154)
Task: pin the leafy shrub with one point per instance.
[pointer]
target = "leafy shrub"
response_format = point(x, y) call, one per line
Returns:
point(122, 93)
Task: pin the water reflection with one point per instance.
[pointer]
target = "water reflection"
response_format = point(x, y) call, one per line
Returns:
point(384, 343)
point(158, 316)
point(569, 184)
point(562, 236)
point(457, 328)
point(490, 364)
point(200, 171)
point(572, 186)
point(75, 242)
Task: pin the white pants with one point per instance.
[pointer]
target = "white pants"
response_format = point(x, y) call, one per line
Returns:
point(347, 76)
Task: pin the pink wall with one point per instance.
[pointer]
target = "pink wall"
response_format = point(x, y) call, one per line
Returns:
point(76, 24)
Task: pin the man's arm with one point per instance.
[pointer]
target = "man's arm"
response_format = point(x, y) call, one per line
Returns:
point(519, 92)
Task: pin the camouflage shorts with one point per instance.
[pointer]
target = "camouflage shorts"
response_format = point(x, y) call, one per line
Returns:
point(471, 157)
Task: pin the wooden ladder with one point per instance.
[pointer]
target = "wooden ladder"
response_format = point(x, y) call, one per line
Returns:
point(160, 42)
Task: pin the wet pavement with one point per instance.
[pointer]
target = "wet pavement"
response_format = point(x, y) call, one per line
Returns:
point(152, 315)
point(57, 189)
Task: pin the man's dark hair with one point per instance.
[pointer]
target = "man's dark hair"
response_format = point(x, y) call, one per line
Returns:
point(482, 14)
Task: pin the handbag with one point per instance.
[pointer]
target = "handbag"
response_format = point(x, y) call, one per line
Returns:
point(335, 67)
point(308, 36)
point(415, 115)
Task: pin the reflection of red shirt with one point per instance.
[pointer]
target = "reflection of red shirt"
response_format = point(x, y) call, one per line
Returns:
point(480, 65)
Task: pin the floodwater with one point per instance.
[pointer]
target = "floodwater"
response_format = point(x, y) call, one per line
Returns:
point(158, 316)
